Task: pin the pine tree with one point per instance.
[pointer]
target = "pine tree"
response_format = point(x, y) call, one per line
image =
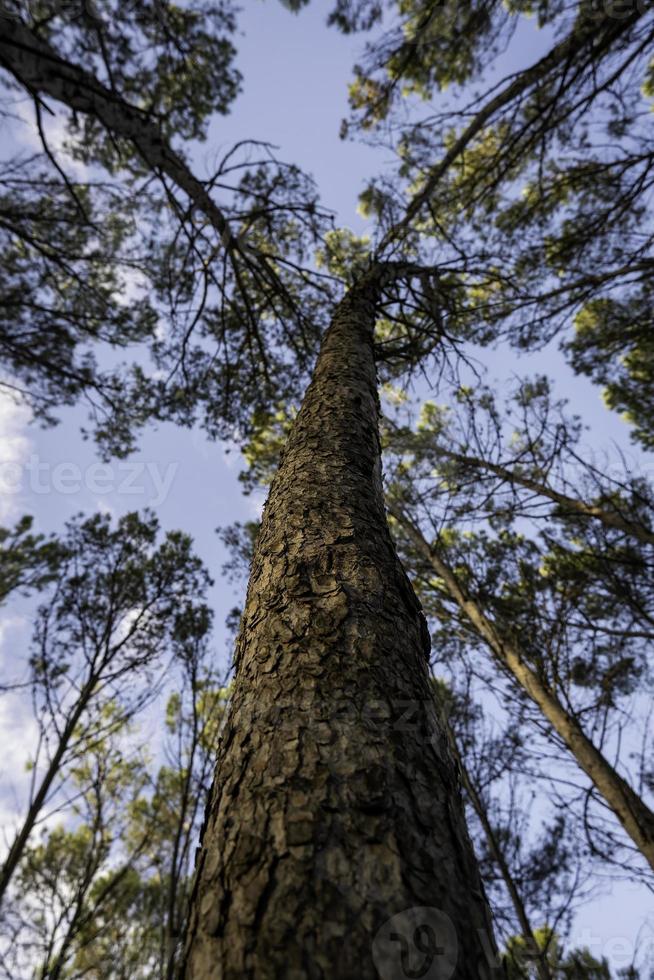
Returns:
point(120, 602)
point(328, 822)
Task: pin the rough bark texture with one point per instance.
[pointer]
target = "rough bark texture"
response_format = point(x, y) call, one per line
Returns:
point(336, 803)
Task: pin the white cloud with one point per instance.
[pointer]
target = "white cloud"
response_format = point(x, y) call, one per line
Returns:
point(19, 736)
point(15, 447)
point(104, 507)
point(7, 624)
point(24, 135)
point(134, 285)
point(256, 502)
point(18, 729)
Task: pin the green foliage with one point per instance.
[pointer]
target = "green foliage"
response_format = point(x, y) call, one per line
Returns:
point(269, 431)
point(614, 346)
point(173, 60)
point(105, 893)
point(121, 597)
point(344, 254)
point(210, 301)
point(492, 487)
point(63, 272)
point(27, 561)
point(125, 611)
point(436, 45)
point(74, 881)
point(576, 964)
point(539, 203)
point(537, 212)
point(545, 207)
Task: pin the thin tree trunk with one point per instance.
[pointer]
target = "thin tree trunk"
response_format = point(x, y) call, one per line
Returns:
point(336, 804)
point(608, 518)
point(536, 955)
point(632, 812)
point(17, 849)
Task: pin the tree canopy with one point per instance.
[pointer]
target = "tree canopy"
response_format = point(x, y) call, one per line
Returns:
point(511, 211)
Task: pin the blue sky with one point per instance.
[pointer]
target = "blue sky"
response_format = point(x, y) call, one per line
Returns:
point(294, 95)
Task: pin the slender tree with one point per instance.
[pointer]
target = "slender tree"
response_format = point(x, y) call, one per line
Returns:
point(631, 810)
point(119, 599)
point(73, 874)
point(104, 893)
point(554, 582)
point(532, 879)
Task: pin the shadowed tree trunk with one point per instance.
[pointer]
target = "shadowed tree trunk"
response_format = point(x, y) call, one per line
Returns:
point(336, 804)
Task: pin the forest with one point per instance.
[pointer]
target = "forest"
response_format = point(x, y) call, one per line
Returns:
point(361, 687)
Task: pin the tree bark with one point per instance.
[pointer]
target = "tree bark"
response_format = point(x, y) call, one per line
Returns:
point(633, 813)
point(336, 803)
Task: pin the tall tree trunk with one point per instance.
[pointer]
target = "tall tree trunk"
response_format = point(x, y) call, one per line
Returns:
point(336, 804)
point(633, 813)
